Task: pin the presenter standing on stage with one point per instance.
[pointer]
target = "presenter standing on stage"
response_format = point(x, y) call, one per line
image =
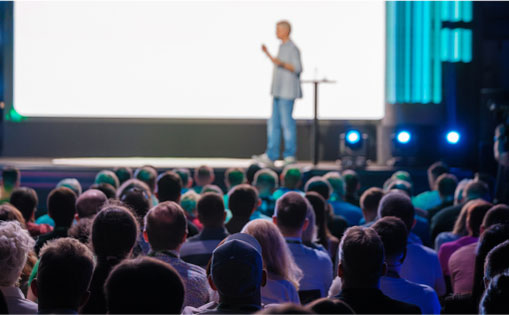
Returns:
point(285, 89)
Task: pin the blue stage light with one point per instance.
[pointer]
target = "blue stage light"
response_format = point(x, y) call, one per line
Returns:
point(403, 137)
point(453, 137)
point(353, 136)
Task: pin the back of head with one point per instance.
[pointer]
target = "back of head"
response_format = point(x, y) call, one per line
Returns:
point(234, 176)
point(106, 188)
point(361, 254)
point(62, 206)
point(496, 260)
point(242, 200)
point(434, 171)
point(132, 183)
point(71, 183)
point(212, 188)
point(446, 185)
point(352, 183)
point(290, 211)
point(203, 175)
point(148, 175)
point(15, 243)
point(398, 205)
point(114, 232)
point(498, 214)
point(319, 206)
point(185, 176)
point(108, 177)
point(291, 177)
point(322, 185)
point(394, 234)
point(169, 186)
point(401, 185)
point(189, 202)
point(495, 298)
point(336, 184)
point(138, 200)
point(166, 226)
point(65, 271)
point(285, 308)
point(265, 181)
point(370, 199)
point(90, 202)
point(329, 306)
point(251, 171)
point(402, 175)
point(475, 216)
point(25, 200)
point(123, 174)
point(211, 210)
point(10, 177)
point(81, 230)
point(9, 213)
point(476, 190)
point(144, 286)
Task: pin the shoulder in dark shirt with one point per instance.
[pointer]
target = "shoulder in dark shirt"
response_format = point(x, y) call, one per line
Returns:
point(373, 301)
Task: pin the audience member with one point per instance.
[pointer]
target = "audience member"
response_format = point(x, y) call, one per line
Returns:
point(446, 187)
point(123, 173)
point(61, 208)
point(71, 183)
point(166, 231)
point(144, 286)
point(185, 176)
point(285, 308)
point(329, 306)
point(203, 175)
point(198, 249)
point(393, 233)
point(10, 181)
point(89, 203)
point(361, 265)
point(26, 201)
point(211, 188)
point(352, 186)
point(234, 176)
point(148, 175)
point(107, 189)
point(496, 262)
point(265, 182)
point(63, 277)
point(351, 213)
point(107, 177)
point(290, 218)
point(421, 264)
point(169, 186)
point(114, 233)
point(370, 199)
point(309, 233)
point(495, 298)
point(189, 203)
point(291, 180)
point(15, 245)
point(138, 201)
point(243, 202)
point(459, 230)
point(283, 275)
point(81, 230)
point(431, 198)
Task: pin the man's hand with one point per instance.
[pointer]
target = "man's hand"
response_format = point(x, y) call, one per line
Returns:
point(277, 62)
point(266, 51)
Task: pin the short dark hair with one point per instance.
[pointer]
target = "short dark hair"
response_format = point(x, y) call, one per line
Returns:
point(496, 261)
point(203, 173)
point(394, 234)
point(166, 225)
point(62, 206)
point(495, 297)
point(446, 184)
point(90, 202)
point(351, 179)
point(434, 171)
point(184, 174)
point(291, 177)
point(398, 205)
point(10, 176)
point(329, 306)
point(265, 178)
point(234, 176)
point(81, 230)
point(497, 214)
point(138, 201)
point(320, 185)
point(169, 186)
point(475, 215)
point(210, 209)
point(251, 171)
point(370, 199)
point(148, 175)
point(25, 200)
point(123, 173)
point(291, 210)
point(242, 199)
point(361, 253)
point(106, 188)
point(114, 232)
point(64, 274)
point(144, 285)
point(108, 177)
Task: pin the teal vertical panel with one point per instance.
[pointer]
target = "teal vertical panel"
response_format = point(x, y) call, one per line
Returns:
point(456, 11)
point(408, 51)
point(466, 11)
point(417, 32)
point(445, 13)
point(445, 46)
point(456, 40)
point(466, 45)
point(436, 54)
point(390, 9)
point(400, 51)
point(426, 52)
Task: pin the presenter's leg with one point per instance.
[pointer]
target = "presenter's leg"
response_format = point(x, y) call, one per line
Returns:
point(274, 131)
point(289, 129)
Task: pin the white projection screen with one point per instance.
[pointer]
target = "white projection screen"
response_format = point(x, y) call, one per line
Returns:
point(193, 59)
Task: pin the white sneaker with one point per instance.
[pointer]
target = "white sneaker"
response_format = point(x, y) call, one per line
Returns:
point(289, 160)
point(263, 159)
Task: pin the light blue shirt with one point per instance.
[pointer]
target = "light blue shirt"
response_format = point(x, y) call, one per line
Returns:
point(285, 83)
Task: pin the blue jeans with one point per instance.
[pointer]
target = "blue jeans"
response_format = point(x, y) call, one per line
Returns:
point(281, 119)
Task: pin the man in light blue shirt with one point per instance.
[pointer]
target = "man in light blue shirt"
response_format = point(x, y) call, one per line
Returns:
point(285, 89)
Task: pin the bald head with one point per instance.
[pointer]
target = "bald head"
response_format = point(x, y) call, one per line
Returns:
point(90, 202)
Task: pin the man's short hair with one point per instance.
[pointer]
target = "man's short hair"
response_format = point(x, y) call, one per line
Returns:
point(169, 186)
point(166, 226)
point(211, 210)
point(290, 211)
point(184, 174)
point(291, 177)
point(400, 185)
point(265, 178)
point(189, 202)
point(71, 183)
point(494, 300)
point(497, 214)
point(242, 200)
point(234, 176)
point(138, 200)
point(370, 199)
point(108, 177)
point(123, 173)
point(62, 206)
point(351, 179)
point(25, 200)
point(434, 171)
point(144, 286)
point(335, 181)
point(477, 190)
point(321, 185)
point(398, 205)
point(286, 24)
point(475, 215)
point(106, 188)
point(203, 174)
point(65, 271)
point(394, 235)
point(212, 188)
point(251, 171)
point(114, 232)
point(10, 177)
point(361, 253)
point(446, 185)
point(496, 261)
point(90, 202)
point(148, 175)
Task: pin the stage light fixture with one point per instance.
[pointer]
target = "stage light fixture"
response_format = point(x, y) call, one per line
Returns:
point(353, 149)
point(403, 137)
point(353, 136)
point(453, 137)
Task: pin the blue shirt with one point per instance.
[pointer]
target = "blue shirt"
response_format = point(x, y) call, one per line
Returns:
point(198, 249)
point(285, 83)
point(351, 213)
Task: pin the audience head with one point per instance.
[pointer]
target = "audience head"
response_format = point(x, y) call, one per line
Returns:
point(320, 208)
point(496, 261)
point(185, 176)
point(401, 186)
point(189, 202)
point(211, 212)
point(106, 188)
point(291, 177)
point(10, 178)
point(144, 286)
point(25, 200)
point(265, 181)
point(460, 226)
point(446, 186)
point(114, 233)
point(148, 175)
point(243, 200)
point(434, 171)
point(309, 233)
point(402, 175)
point(166, 226)
point(71, 183)
point(138, 200)
point(329, 306)
point(81, 230)
point(130, 184)
point(361, 256)
point(290, 213)
point(476, 190)
point(370, 199)
point(251, 171)
point(89, 203)
point(204, 175)
point(398, 205)
point(212, 188)
point(108, 177)
point(62, 206)
point(15, 244)
point(169, 187)
point(123, 174)
point(322, 185)
point(393, 233)
point(497, 214)
point(63, 278)
point(460, 188)
point(475, 216)
point(9, 213)
point(234, 176)
point(352, 182)
point(495, 298)
point(285, 308)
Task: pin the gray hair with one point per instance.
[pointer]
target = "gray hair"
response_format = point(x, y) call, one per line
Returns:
point(15, 243)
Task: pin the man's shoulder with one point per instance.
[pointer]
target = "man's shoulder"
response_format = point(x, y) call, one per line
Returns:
point(421, 250)
point(315, 253)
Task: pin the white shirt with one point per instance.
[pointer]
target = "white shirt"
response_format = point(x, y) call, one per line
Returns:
point(405, 291)
point(278, 290)
point(16, 302)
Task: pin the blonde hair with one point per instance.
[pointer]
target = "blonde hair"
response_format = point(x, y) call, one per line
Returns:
point(460, 226)
point(277, 258)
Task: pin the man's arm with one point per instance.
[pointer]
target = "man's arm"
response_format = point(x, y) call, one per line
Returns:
point(277, 62)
